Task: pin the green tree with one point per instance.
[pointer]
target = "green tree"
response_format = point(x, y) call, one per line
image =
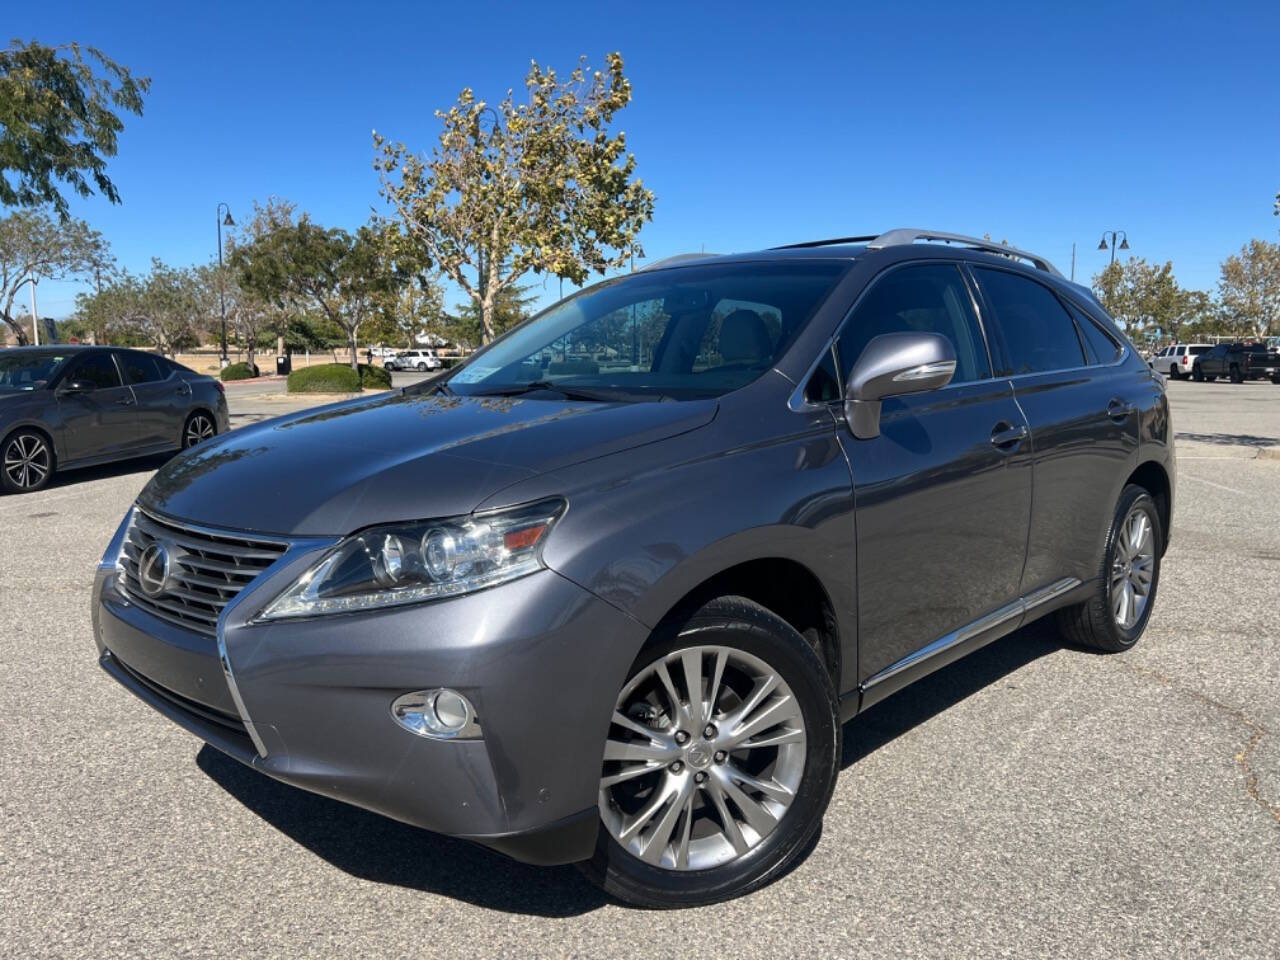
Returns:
point(1144, 298)
point(510, 307)
point(59, 122)
point(542, 185)
point(1250, 289)
point(342, 277)
point(33, 244)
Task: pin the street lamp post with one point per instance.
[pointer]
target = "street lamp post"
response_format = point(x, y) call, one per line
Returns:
point(222, 302)
point(1114, 234)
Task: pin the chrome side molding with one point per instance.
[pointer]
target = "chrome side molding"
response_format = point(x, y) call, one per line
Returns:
point(990, 621)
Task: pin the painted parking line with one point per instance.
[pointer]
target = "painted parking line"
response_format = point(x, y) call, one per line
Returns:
point(1220, 486)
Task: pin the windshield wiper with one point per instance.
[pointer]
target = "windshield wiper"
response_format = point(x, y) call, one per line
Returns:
point(569, 392)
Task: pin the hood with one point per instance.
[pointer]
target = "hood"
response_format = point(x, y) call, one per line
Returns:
point(335, 469)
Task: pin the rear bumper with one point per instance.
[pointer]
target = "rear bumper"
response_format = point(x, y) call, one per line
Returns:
point(540, 658)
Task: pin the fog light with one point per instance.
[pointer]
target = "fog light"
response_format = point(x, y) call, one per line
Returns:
point(440, 714)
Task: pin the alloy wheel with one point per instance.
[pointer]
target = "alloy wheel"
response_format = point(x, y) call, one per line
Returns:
point(26, 461)
point(704, 757)
point(1132, 569)
point(199, 428)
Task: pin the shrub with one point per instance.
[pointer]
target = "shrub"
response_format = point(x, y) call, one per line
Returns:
point(374, 377)
point(337, 378)
point(238, 371)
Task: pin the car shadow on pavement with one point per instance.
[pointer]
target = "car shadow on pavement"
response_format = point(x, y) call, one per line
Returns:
point(372, 847)
point(1229, 439)
point(106, 471)
point(926, 698)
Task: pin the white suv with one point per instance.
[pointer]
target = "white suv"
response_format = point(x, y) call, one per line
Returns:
point(421, 360)
point(1175, 362)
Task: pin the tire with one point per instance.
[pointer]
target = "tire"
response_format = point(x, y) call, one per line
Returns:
point(199, 427)
point(1197, 373)
point(1173, 372)
point(1276, 379)
point(1096, 622)
point(1235, 374)
point(799, 772)
point(422, 368)
point(27, 462)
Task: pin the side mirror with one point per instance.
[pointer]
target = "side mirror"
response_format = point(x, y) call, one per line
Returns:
point(78, 386)
point(894, 365)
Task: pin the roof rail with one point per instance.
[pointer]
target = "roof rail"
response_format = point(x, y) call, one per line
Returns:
point(908, 235)
point(675, 259)
point(824, 243)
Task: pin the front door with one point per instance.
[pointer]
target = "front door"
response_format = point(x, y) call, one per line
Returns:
point(97, 422)
point(943, 495)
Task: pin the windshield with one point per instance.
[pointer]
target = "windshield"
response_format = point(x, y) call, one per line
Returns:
point(28, 370)
point(682, 333)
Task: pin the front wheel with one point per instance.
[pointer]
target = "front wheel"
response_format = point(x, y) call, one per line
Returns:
point(720, 760)
point(1113, 619)
point(1173, 373)
point(27, 462)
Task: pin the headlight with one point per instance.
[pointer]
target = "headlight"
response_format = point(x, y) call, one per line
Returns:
point(412, 562)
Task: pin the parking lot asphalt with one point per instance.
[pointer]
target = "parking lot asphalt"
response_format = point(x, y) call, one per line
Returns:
point(1030, 800)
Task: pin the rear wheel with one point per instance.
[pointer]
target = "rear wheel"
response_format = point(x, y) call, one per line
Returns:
point(1235, 374)
point(719, 763)
point(26, 462)
point(422, 367)
point(1114, 618)
point(199, 428)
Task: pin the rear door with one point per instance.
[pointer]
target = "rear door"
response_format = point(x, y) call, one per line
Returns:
point(1082, 404)
point(99, 422)
point(943, 495)
point(163, 398)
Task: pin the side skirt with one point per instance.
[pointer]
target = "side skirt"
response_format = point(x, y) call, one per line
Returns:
point(954, 645)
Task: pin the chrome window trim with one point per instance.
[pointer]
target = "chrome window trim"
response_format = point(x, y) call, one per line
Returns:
point(995, 618)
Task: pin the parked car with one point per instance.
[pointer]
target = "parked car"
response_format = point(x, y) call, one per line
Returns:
point(1239, 362)
point(420, 360)
point(1175, 361)
point(64, 407)
point(618, 617)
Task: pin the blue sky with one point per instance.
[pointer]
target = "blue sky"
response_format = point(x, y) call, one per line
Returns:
point(755, 124)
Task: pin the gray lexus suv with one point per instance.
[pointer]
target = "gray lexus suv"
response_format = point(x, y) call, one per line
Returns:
point(606, 593)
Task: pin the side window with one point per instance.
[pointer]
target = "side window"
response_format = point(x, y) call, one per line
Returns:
point(1099, 344)
point(98, 368)
point(823, 386)
point(1039, 334)
point(141, 368)
point(929, 298)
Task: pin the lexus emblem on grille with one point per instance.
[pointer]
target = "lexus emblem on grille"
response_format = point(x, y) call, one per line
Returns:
point(153, 569)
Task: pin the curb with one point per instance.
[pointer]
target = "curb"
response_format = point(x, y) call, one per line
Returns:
point(1269, 453)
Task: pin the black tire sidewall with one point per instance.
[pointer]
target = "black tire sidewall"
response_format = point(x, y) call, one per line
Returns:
point(748, 627)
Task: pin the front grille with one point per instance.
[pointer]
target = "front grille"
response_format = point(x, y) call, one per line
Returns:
point(207, 569)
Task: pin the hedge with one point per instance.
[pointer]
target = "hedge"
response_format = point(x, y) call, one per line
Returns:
point(337, 378)
point(238, 371)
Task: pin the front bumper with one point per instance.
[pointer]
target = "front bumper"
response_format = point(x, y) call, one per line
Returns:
point(540, 658)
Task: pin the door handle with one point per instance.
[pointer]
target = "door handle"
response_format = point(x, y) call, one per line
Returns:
point(124, 402)
point(1119, 410)
point(1006, 436)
